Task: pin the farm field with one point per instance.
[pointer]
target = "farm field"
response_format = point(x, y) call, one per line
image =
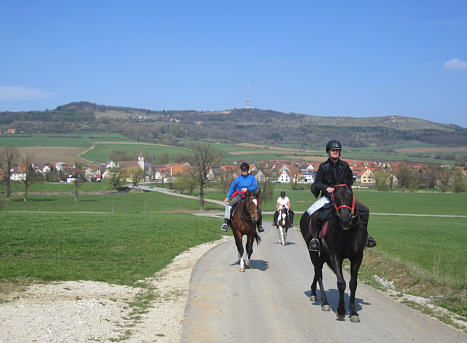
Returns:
point(60, 140)
point(387, 202)
point(107, 142)
point(101, 151)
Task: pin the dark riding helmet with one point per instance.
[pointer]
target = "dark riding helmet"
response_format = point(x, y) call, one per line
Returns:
point(282, 194)
point(333, 145)
point(244, 166)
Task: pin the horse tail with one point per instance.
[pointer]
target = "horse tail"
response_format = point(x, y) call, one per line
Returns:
point(257, 238)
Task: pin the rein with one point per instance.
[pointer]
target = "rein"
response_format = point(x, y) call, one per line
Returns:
point(352, 209)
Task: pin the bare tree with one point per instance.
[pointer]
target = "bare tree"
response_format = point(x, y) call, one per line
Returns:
point(202, 160)
point(78, 171)
point(9, 158)
point(30, 174)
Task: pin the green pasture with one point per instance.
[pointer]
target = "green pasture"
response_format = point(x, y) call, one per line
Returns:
point(52, 187)
point(434, 245)
point(151, 202)
point(115, 248)
point(101, 152)
point(65, 140)
point(379, 202)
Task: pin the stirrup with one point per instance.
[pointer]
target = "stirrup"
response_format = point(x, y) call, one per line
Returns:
point(314, 244)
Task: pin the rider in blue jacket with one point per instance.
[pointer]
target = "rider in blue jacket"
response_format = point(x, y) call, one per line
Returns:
point(243, 183)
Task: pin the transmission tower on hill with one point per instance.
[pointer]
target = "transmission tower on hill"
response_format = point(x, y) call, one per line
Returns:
point(248, 95)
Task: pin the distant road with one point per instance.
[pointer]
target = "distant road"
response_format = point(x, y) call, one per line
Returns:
point(269, 303)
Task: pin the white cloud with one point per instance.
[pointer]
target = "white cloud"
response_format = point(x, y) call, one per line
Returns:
point(11, 93)
point(455, 63)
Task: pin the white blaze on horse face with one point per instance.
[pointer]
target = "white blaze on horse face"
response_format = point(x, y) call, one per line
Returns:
point(255, 201)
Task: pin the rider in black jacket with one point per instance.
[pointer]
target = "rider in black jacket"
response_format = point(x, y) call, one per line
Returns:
point(333, 172)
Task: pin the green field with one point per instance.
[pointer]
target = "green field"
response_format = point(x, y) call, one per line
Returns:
point(101, 152)
point(115, 248)
point(65, 140)
point(387, 202)
point(151, 202)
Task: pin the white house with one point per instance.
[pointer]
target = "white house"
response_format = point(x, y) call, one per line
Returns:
point(308, 177)
point(284, 177)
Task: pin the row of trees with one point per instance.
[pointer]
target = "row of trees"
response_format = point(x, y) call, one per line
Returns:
point(442, 178)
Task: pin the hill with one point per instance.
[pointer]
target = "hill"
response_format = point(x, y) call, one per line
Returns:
point(234, 126)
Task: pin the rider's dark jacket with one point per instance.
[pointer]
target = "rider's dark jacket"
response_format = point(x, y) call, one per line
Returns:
point(330, 174)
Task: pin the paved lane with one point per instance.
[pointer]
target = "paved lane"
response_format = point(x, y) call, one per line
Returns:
point(269, 303)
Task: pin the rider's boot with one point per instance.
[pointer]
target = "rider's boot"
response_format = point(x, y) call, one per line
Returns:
point(260, 222)
point(225, 226)
point(370, 242)
point(314, 243)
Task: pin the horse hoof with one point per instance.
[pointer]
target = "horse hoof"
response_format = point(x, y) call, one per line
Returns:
point(283, 244)
point(242, 269)
point(355, 318)
point(312, 298)
point(326, 308)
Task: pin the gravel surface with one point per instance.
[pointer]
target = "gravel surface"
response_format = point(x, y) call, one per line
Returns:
point(86, 311)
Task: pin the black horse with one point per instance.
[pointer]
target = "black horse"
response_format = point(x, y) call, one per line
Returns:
point(345, 238)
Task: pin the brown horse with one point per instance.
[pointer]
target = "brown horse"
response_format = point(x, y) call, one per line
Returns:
point(243, 222)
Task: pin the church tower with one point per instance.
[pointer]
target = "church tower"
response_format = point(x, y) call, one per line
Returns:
point(141, 159)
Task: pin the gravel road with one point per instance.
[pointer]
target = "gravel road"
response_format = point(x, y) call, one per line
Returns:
point(269, 303)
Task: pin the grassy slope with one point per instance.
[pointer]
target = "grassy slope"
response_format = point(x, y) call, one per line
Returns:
point(116, 248)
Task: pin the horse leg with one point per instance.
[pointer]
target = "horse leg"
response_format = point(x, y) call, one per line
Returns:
point(324, 300)
point(337, 265)
point(282, 235)
point(249, 249)
point(354, 267)
point(239, 244)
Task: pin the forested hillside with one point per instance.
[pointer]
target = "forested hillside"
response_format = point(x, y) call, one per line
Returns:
point(233, 126)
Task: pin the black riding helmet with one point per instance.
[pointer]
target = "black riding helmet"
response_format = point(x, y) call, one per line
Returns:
point(282, 194)
point(244, 166)
point(333, 145)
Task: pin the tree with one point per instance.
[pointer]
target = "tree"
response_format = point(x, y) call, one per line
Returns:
point(267, 191)
point(78, 175)
point(115, 177)
point(136, 174)
point(30, 174)
point(9, 157)
point(164, 158)
point(202, 160)
point(459, 181)
point(382, 178)
point(185, 182)
point(227, 178)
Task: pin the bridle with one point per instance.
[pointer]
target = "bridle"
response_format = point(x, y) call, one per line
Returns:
point(250, 212)
point(352, 209)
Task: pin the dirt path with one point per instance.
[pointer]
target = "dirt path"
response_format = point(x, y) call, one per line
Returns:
point(269, 303)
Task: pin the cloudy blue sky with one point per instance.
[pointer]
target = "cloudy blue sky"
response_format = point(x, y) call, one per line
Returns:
point(350, 58)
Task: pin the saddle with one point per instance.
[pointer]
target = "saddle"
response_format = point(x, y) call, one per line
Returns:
point(324, 230)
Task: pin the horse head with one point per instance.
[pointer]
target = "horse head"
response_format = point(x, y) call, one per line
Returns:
point(251, 207)
point(344, 204)
point(283, 215)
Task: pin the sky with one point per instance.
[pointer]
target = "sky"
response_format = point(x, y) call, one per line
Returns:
point(329, 58)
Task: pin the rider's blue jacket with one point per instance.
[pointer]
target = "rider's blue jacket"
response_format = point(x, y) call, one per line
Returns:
point(240, 182)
